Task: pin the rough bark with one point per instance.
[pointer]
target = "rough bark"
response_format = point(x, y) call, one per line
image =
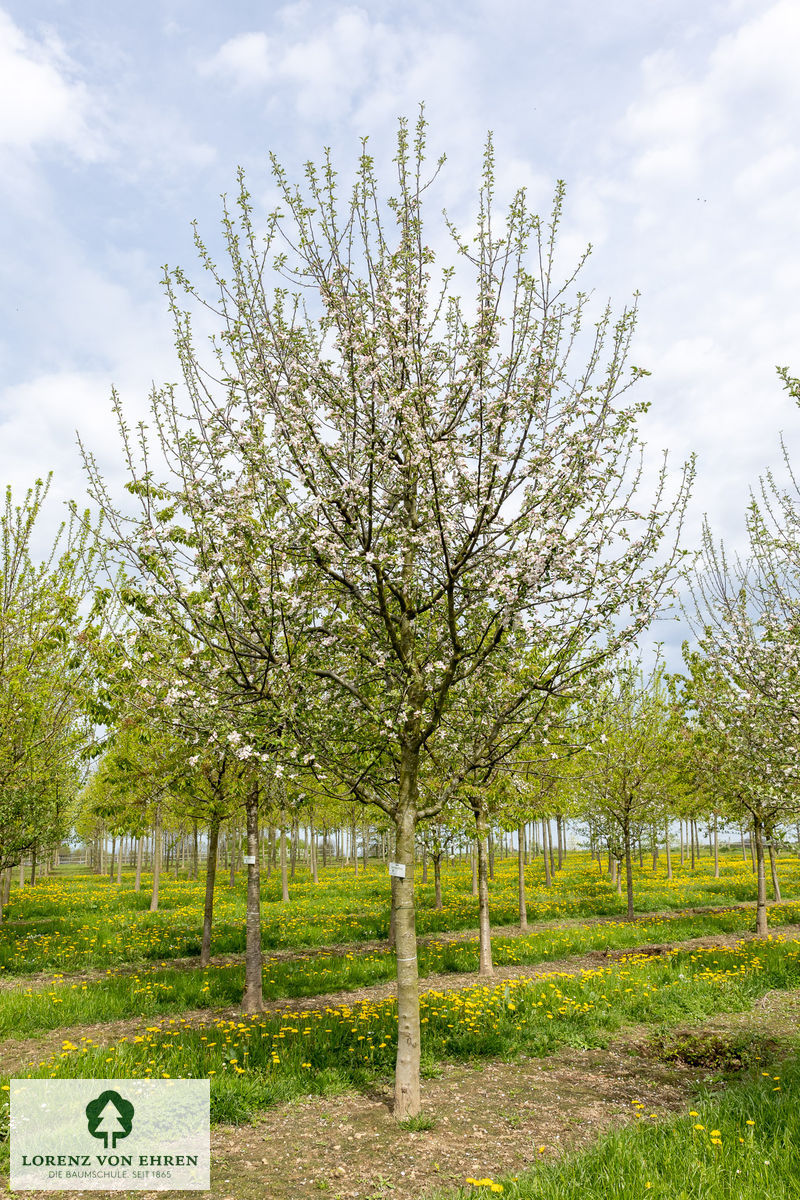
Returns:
point(253, 999)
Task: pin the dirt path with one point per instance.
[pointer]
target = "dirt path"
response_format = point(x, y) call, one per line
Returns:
point(44, 979)
point(18, 1055)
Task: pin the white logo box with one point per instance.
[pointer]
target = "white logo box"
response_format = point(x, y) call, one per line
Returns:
point(110, 1134)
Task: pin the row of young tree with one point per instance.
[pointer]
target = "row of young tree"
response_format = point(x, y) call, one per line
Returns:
point(386, 546)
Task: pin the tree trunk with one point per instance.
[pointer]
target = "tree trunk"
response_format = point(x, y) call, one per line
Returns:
point(437, 881)
point(407, 1078)
point(293, 847)
point(680, 834)
point(324, 844)
point(233, 836)
point(741, 838)
point(489, 860)
point(523, 907)
point(773, 866)
point(284, 868)
point(761, 902)
point(113, 856)
point(716, 847)
point(312, 847)
point(195, 851)
point(119, 865)
point(560, 835)
point(354, 846)
point(137, 886)
point(485, 966)
point(156, 860)
point(474, 863)
point(548, 878)
point(211, 877)
point(629, 872)
point(690, 831)
point(253, 999)
point(668, 850)
point(425, 860)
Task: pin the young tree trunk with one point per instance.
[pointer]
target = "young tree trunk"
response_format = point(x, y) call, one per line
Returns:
point(156, 860)
point(324, 844)
point(284, 868)
point(437, 881)
point(629, 871)
point(113, 854)
point(549, 836)
point(668, 849)
point(485, 966)
point(741, 839)
point(716, 847)
point(761, 902)
point(690, 832)
point(293, 846)
point(523, 906)
point(195, 851)
point(474, 863)
point(233, 837)
point(253, 999)
point(119, 865)
point(548, 862)
point(490, 858)
point(392, 924)
point(137, 886)
point(773, 866)
point(211, 878)
point(354, 846)
point(560, 835)
point(407, 1077)
point(312, 847)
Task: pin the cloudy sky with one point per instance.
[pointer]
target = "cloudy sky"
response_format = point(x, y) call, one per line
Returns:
point(677, 134)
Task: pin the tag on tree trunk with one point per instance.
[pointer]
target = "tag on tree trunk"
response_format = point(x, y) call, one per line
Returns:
point(249, 860)
point(397, 869)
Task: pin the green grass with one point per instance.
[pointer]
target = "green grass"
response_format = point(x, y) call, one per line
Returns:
point(80, 921)
point(754, 1153)
point(154, 990)
point(257, 1061)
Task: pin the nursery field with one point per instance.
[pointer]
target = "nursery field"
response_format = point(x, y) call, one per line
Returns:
point(601, 1053)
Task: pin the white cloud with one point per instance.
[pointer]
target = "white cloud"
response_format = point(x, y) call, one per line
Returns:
point(243, 60)
point(41, 103)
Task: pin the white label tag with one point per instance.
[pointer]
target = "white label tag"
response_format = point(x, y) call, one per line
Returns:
point(249, 860)
point(398, 870)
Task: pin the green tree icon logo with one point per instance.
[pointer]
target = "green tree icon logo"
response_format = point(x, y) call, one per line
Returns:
point(109, 1116)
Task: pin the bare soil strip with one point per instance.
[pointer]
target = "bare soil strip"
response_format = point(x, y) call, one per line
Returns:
point(18, 1055)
